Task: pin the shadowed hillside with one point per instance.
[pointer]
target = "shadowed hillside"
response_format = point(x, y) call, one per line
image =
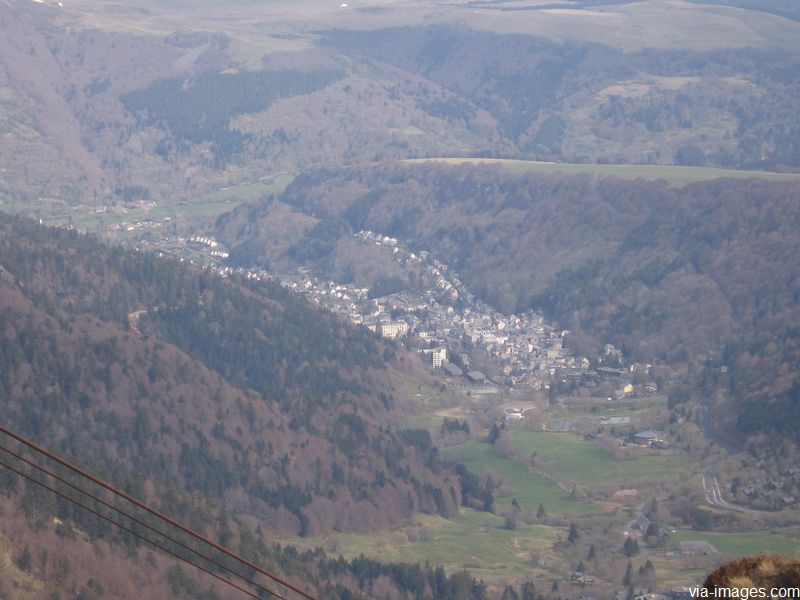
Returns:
point(237, 391)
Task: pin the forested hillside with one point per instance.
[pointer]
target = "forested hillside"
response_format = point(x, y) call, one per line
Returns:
point(592, 103)
point(166, 379)
point(83, 557)
point(663, 272)
point(201, 111)
point(296, 140)
point(96, 114)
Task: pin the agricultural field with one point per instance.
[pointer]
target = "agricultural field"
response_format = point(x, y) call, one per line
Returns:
point(674, 175)
point(94, 222)
point(568, 457)
point(204, 208)
point(673, 569)
point(251, 191)
point(473, 540)
point(739, 544)
point(424, 421)
point(529, 489)
point(676, 570)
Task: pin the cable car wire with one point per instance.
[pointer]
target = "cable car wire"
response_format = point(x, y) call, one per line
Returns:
point(152, 511)
point(133, 533)
point(136, 520)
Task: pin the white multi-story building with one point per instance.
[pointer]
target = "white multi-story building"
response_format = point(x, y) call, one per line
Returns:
point(438, 356)
point(394, 329)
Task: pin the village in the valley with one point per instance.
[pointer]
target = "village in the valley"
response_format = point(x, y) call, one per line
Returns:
point(454, 330)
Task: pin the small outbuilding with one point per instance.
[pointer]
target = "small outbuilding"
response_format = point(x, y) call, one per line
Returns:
point(477, 377)
point(646, 438)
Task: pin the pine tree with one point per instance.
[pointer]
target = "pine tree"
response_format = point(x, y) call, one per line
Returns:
point(652, 513)
point(573, 534)
point(509, 594)
point(528, 591)
point(628, 579)
point(540, 512)
point(647, 571)
point(631, 547)
point(592, 553)
point(510, 523)
point(494, 433)
point(24, 560)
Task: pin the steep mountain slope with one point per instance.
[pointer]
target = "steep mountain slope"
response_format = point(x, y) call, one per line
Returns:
point(46, 558)
point(97, 116)
point(236, 391)
point(663, 272)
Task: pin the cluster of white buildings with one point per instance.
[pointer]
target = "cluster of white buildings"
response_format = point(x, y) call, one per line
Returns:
point(206, 241)
point(442, 315)
point(525, 348)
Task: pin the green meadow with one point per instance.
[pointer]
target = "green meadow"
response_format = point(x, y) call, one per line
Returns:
point(473, 540)
point(567, 456)
point(740, 544)
point(530, 489)
point(250, 191)
point(674, 175)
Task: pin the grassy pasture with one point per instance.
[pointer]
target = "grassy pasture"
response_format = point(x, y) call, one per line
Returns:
point(740, 544)
point(424, 421)
point(211, 205)
point(192, 210)
point(529, 489)
point(253, 190)
point(674, 571)
point(636, 88)
point(408, 130)
point(568, 457)
point(473, 540)
point(674, 175)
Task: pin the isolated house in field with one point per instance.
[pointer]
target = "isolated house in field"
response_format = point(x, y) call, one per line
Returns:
point(697, 548)
point(646, 438)
point(680, 593)
point(650, 388)
point(514, 414)
point(642, 522)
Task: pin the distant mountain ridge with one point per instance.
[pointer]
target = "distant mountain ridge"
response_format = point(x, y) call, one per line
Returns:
point(783, 8)
point(97, 115)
